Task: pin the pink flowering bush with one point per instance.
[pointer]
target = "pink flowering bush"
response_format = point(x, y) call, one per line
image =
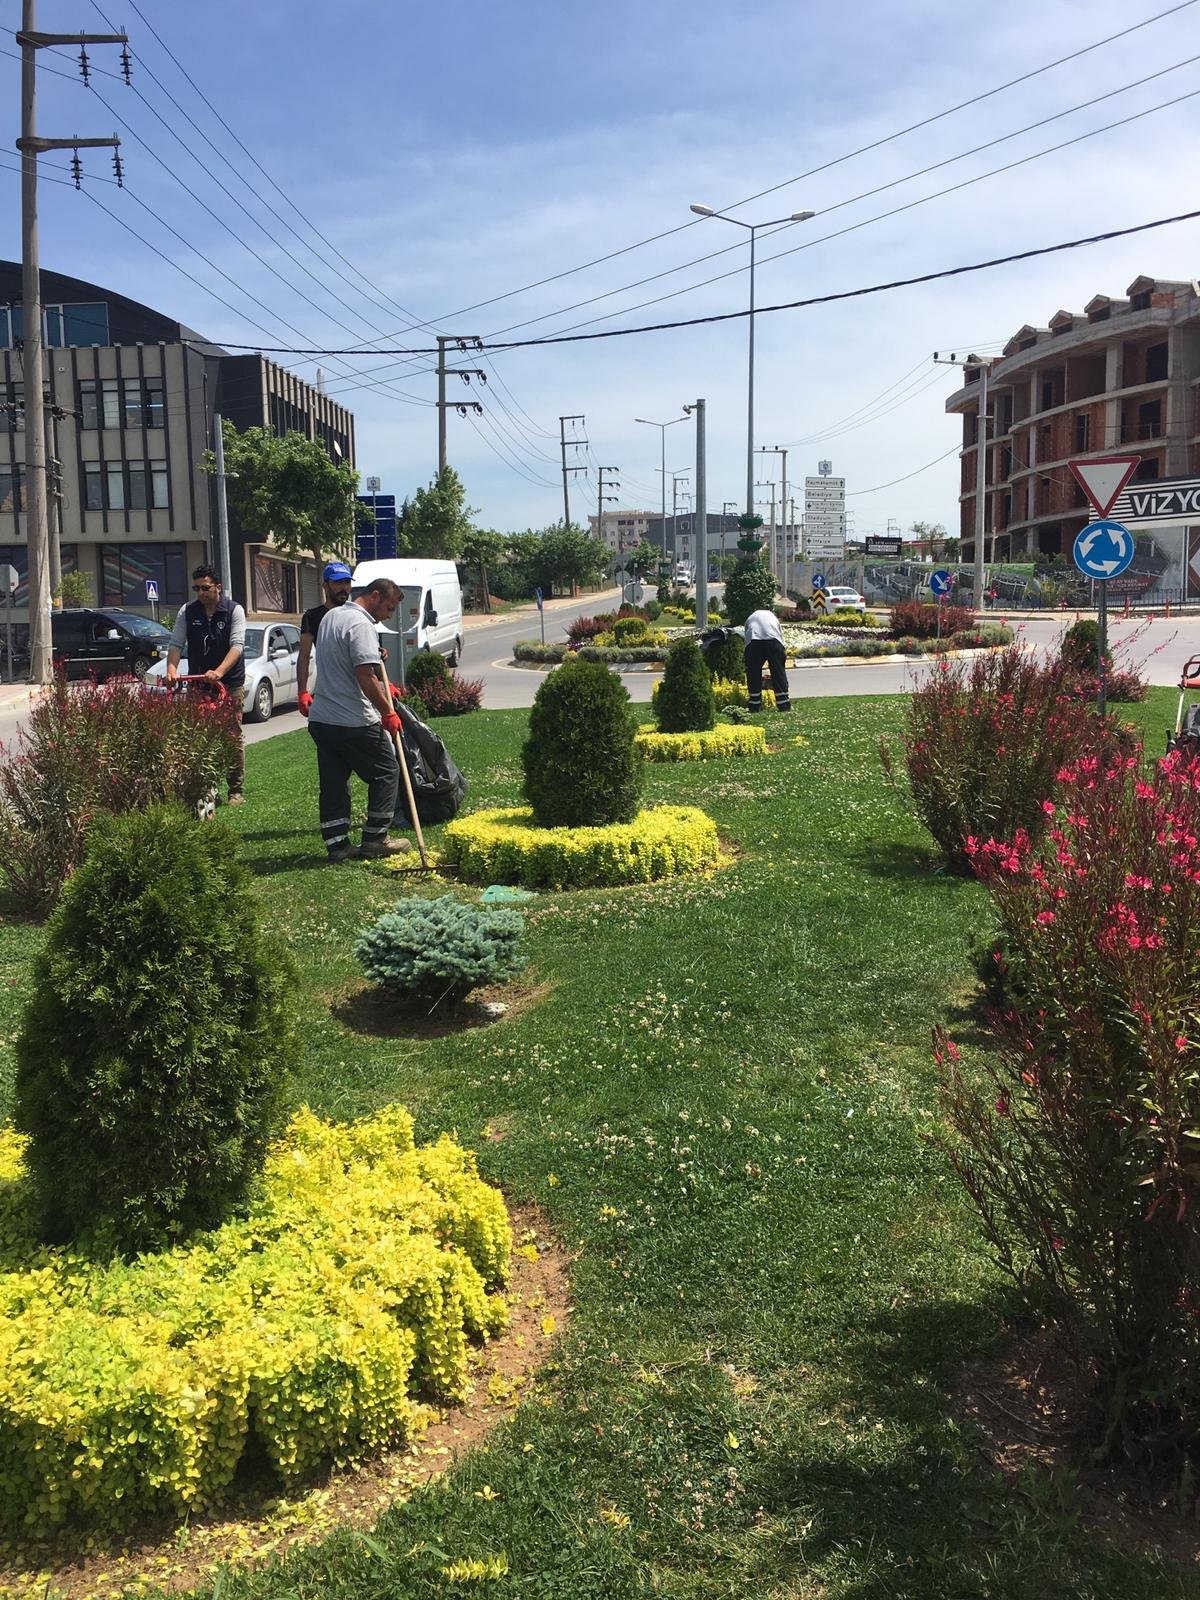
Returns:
point(983, 742)
point(1079, 1140)
point(91, 749)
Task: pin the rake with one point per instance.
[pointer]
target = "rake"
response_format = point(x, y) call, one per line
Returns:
point(426, 864)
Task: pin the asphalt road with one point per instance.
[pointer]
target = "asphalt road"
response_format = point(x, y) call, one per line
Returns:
point(1156, 648)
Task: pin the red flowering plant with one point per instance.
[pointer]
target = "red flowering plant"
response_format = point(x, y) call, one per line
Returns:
point(1078, 1139)
point(983, 741)
point(92, 748)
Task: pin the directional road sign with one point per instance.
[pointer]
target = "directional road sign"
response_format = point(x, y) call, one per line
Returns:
point(941, 582)
point(1102, 478)
point(818, 580)
point(1103, 549)
point(537, 595)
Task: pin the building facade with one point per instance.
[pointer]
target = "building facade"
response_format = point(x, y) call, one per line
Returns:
point(1118, 377)
point(131, 396)
point(621, 530)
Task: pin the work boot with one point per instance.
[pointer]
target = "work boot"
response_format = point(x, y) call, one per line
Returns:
point(340, 852)
point(381, 849)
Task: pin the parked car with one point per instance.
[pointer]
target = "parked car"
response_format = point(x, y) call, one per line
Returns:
point(94, 642)
point(841, 599)
point(270, 653)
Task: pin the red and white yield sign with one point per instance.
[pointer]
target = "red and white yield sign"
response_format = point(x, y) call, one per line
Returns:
point(1103, 477)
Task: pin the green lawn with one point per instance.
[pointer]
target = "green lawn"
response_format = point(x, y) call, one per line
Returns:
point(719, 1106)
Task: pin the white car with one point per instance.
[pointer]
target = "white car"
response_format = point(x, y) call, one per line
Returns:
point(841, 599)
point(270, 653)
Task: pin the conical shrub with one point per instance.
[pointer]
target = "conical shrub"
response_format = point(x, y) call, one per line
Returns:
point(750, 588)
point(580, 769)
point(685, 701)
point(154, 1052)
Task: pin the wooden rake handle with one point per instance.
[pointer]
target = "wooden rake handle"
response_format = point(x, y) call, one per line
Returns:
point(412, 803)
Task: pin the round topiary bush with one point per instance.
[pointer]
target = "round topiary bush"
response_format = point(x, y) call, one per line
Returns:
point(750, 588)
point(1080, 649)
point(426, 667)
point(684, 703)
point(630, 630)
point(436, 951)
point(153, 1055)
point(580, 769)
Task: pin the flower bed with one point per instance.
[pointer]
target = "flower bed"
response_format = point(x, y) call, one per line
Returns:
point(712, 744)
point(506, 846)
point(803, 643)
point(131, 1389)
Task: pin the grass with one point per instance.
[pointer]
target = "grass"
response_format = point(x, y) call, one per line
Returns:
point(719, 1107)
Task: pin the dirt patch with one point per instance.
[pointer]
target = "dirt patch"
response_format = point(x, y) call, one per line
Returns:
point(1030, 1416)
point(261, 1523)
point(365, 1008)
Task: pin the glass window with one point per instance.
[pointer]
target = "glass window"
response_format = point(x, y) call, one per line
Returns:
point(274, 583)
point(93, 486)
point(137, 486)
point(160, 491)
point(147, 485)
point(99, 403)
point(132, 407)
point(86, 323)
point(125, 568)
point(114, 474)
point(11, 497)
point(292, 635)
point(152, 403)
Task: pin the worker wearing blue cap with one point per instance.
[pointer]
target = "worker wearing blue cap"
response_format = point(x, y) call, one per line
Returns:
point(335, 581)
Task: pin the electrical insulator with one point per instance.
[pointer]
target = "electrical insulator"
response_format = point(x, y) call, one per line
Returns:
point(77, 170)
point(126, 64)
point(118, 169)
point(85, 68)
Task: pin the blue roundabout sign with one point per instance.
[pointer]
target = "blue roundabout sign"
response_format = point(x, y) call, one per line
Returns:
point(1103, 549)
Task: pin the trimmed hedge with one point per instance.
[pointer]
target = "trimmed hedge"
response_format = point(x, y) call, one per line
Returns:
point(684, 703)
point(708, 744)
point(507, 846)
point(578, 760)
point(130, 1390)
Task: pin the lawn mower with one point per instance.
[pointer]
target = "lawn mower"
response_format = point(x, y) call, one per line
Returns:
point(1186, 734)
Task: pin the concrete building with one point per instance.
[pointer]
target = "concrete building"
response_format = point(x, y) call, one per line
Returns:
point(621, 530)
point(1118, 377)
point(131, 397)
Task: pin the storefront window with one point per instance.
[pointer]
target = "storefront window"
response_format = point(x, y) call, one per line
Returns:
point(126, 567)
point(274, 583)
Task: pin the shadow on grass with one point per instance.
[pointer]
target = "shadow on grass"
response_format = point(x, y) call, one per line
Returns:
point(365, 1008)
point(904, 861)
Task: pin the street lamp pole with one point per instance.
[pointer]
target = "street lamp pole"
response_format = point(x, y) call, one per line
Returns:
point(662, 439)
point(751, 228)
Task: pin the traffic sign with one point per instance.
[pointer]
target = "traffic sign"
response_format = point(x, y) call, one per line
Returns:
point(941, 582)
point(818, 580)
point(1102, 478)
point(537, 595)
point(151, 592)
point(8, 581)
point(1103, 549)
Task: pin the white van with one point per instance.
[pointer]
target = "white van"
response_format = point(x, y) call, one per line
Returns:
point(431, 608)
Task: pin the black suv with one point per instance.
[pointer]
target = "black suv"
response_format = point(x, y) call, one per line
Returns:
point(99, 644)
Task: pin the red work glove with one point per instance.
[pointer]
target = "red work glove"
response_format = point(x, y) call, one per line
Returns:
point(391, 723)
point(397, 692)
point(304, 702)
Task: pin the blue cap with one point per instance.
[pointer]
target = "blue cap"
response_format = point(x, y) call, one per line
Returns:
point(336, 572)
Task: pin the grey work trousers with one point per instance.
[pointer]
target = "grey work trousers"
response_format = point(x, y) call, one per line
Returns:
point(366, 752)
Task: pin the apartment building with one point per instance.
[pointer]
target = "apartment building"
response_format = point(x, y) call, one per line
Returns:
point(621, 530)
point(130, 397)
point(1118, 377)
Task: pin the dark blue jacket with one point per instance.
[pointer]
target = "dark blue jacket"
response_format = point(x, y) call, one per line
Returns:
point(208, 640)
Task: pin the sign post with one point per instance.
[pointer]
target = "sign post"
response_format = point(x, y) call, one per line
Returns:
point(152, 597)
point(941, 582)
point(8, 579)
point(537, 594)
point(1104, 549)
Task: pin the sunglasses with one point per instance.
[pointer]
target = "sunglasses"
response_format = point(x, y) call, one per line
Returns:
point(200, 588)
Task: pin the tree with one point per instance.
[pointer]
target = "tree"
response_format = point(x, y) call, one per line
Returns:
point(642, 561)
point(558, 556)
point(484, 548)
point(436, 523)
point(932, 533)
point(286, 489)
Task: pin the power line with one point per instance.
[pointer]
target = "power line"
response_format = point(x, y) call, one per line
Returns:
point(785, 305)
point(953, 450)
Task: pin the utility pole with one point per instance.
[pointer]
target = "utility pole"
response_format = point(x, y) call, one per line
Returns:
point(980, 462)
point(701, 518)
point(222, 505)
point(601, 497)
point(675, 477)
point(33, 354)
point(466, 343)
point(563, 442)
point(779, 561)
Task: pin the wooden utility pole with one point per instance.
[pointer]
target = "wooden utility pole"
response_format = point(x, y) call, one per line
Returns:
point(33, 353)
point(469, 342)
point(563, 442)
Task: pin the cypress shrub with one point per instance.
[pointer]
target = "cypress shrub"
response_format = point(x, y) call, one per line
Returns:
point(750, 588)
point(1080, 649)
point(685, 702)
point(153, 1055)
point(727, 658)
point(580, 769)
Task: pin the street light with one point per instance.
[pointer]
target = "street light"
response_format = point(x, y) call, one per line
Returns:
point(662, 439)
point(751, 228)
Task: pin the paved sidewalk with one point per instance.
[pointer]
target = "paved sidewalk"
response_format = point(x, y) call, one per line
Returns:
point(15, 695)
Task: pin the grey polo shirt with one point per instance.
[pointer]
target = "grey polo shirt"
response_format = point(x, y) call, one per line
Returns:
point(348, 639)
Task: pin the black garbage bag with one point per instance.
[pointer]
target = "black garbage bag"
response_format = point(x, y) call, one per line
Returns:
point(438, 785)
point(713, 639)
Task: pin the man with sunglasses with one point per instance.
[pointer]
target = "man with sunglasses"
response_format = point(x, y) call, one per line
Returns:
point(211, 631)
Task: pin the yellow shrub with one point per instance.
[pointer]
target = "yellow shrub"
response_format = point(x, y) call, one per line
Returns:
point(713, 744)
point(726, 692)
point(505, 846)
point(129, 1389)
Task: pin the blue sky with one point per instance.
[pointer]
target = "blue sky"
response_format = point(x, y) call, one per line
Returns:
point(456, 153)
